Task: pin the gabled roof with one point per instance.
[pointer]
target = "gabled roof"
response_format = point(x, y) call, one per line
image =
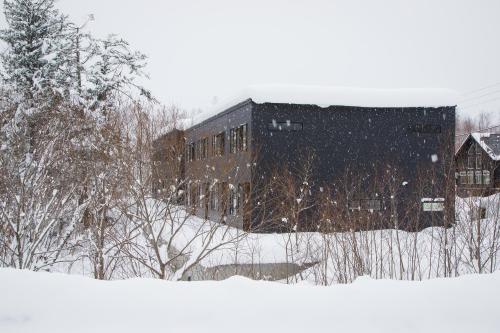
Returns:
point(489, 142)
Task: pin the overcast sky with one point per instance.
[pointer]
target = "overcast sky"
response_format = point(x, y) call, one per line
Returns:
point(201, 51)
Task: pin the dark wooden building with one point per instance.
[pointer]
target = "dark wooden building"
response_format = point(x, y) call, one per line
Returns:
point(402, 136)
point(168, 169)
point(478, 165)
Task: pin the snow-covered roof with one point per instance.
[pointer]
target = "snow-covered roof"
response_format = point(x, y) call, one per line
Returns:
point(325, 96)
point(490, 143)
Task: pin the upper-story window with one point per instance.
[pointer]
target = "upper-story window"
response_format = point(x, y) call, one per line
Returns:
point(218, 144)
point(474, 157)
point(197, 150)
point(286, 126)
point(238, 139)
point(204, 148)
point(191, 152)
point(425, 128)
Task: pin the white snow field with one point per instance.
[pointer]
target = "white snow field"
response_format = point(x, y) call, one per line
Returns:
point(52, 302)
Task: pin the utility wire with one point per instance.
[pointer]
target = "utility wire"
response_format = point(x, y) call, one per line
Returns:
point(479, 130)
point(480, 96)
point(483, 102)
point(481, 89)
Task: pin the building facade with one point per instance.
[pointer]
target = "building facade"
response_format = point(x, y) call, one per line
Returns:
point(232, 158)
point(478, 165)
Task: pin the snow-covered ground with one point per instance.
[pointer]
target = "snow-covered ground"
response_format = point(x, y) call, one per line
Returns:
point(337, 257)
point(50, 302)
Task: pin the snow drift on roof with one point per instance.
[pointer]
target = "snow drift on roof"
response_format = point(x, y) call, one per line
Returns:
point(490, 144)
point(325, 96)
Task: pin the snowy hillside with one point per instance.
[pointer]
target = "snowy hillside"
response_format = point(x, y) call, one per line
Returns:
point(43, 302)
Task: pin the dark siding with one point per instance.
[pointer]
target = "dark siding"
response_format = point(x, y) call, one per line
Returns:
point(168, 162)
point(352, 137)
point(230, 168)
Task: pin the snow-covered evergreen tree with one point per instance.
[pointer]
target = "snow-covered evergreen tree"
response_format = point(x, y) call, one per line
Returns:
point(60, 98)
point(33, 37)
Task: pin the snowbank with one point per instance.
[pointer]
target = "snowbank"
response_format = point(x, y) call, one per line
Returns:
point(325, 96)
point(44, 302)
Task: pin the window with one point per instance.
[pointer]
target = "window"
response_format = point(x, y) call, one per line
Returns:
point(354, 205)
point(223, 190)
point(287, 126)
point(433, 205)
point(190, 152)
point(218, 144)
point(463, 177)
point(479, 177)
point(425, 128)
point(471, 157)
point(243, 138)
point(232, 141)
point(204, 148)
point(470, 177)
point(474, 157)
point(234, 200)
point(238, 139)
point(193, 194)
point(214, 197)
point(198, 150)
point(244, 195)
point(486, 177)
point(365, 204)
point(370, 204)
point(470, 162)
point(201, 195)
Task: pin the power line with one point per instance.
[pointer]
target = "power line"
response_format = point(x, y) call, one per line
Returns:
point(484, 102)
point(479, 130)
point(481, 89)
point(480, 96)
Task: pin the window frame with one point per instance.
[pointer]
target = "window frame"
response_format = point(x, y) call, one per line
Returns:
point(463, 177)
point(371, 204)
point(287, 126)
point(238, 139)
point(486, 177)
point(470, 177)
point(433, 205)
point(478, 179)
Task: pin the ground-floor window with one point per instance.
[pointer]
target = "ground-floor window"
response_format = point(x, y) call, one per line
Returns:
point(463, 177)
point(223, 191)
point(192, 195)
point(234, 199)
point(201, 195)
point(433, 204)
point(370, 204)
point(365, 204)
point(470, 177)
point(354, 205)
point(479, 177)
point(214, 197)
point(486, 177)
